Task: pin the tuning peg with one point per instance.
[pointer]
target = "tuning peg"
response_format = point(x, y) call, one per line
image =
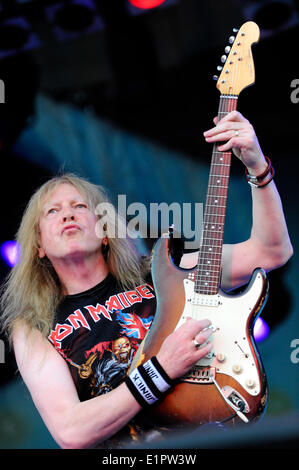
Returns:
point(215, 77)
point(235, 30)
point(231, 39)
point(223, 58)
point(227, 49)
point(219, 68)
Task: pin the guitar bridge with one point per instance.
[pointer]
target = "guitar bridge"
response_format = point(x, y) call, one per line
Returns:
point(199, 375)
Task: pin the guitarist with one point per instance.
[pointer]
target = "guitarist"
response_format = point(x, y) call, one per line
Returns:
point(78, 303)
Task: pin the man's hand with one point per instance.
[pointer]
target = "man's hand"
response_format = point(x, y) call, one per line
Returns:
point(241, 138)
point(179, 353)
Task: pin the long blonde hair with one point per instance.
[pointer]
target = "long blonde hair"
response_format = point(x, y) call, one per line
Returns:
point(32, 289)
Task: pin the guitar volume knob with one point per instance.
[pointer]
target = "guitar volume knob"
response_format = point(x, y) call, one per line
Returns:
point(220, 357)
point(250, 383)
point(237, 369)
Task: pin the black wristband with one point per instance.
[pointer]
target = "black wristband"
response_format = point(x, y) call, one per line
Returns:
point(139, 389)
point(149, 382)
point(161, 371)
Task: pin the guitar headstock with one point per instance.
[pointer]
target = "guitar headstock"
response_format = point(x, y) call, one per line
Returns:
point(238, 69)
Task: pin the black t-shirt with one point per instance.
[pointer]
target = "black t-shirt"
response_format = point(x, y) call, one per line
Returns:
point(99, 331)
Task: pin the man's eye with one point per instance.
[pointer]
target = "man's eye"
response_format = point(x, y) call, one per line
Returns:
point(81, 206)
point(51, 211)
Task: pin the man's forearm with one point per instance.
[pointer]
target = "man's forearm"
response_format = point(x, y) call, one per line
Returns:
point(93, 421)
point(269, 227)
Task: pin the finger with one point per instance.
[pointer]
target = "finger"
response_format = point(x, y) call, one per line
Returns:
point(205, 323)
point(203, 351)
point(226, 135)
point(224, 127)
point(232, 143)
point(215, 120)
point(203, 335)
point(234, 116)
point(192, 327)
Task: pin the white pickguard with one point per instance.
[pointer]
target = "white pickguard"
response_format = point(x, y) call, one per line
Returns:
point(231, 353)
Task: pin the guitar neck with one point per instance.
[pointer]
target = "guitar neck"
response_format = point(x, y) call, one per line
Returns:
point(210, 252)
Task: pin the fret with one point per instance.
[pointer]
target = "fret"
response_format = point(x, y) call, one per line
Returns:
point(213, 262)
point(215, 215)
point(215, 205)
point(206, 230)
point(210, 218)
point(211, 232)
point(216, 239)
point(212, 270)
point(220, 176)
point(207, 282)
point(215, 197)
point(207, 286)
point(207, 276)
point(220, 164)
point(217, 186)
point(215, 258)
point(224, 154)
point(215, 253)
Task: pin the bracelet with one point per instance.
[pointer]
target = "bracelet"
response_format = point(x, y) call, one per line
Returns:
point(149, 382)
point(256, 181)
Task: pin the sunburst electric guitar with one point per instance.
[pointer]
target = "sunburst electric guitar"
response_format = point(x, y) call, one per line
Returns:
point(230, 381)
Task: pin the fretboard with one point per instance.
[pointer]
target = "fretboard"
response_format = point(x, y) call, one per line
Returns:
point(210, 252)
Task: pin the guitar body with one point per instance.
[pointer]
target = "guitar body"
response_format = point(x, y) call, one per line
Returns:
point(234, 362)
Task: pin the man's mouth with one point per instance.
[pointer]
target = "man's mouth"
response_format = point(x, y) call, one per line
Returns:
point(70, 227)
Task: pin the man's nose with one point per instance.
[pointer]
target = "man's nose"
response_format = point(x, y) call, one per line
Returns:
point(68, 215)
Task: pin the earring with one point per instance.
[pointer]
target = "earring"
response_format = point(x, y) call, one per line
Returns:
point(105, 246)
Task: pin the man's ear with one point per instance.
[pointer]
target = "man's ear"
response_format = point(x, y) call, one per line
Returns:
point(41, 252)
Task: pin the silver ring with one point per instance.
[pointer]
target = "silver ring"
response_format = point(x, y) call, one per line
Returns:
point(196, 343)
point(236, 133)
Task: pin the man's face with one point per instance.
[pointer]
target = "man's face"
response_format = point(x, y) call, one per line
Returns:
point(67, 225)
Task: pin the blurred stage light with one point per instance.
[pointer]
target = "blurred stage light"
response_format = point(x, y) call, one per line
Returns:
point(74, 18)
point(146, 4)
point(16, 35)
point(260, 330)
point(10, 252)
point(271, 16)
